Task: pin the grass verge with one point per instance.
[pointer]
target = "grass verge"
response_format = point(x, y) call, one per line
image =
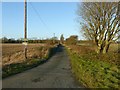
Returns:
point(94, 73)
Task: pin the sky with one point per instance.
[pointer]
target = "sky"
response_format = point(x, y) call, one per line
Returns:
point(43, 19)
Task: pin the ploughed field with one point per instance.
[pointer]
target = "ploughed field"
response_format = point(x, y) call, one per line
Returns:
point(14, 53)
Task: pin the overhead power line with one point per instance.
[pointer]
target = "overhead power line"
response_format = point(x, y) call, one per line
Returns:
point(37, 13)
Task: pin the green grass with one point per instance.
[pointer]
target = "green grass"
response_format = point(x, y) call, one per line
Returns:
point(12, 69)
point(94, 73)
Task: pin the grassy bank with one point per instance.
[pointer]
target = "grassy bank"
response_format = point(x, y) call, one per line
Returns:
point(92, 70)
point(15, 68)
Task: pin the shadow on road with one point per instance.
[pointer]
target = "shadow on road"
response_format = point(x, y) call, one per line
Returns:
point(59, 48)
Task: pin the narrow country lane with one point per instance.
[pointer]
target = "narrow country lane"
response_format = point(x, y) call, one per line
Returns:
point(56, 73)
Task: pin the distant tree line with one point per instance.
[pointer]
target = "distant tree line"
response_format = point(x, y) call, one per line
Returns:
point(12, 40)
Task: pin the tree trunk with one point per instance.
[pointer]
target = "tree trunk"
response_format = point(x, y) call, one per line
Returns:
point(105, 49)
point(99, 48)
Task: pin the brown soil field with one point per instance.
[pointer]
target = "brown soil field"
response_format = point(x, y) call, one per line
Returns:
point(14, 53)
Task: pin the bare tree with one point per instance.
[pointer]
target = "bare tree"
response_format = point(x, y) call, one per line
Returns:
point(100, 23)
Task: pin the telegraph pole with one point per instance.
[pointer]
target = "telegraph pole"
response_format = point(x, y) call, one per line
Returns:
point(25, 28)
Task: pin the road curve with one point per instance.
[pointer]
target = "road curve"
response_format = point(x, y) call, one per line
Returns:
point(56, 73)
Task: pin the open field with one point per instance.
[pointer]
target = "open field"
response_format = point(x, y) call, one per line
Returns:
point(8, 49)
point(112, 56)
point(14, 53)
